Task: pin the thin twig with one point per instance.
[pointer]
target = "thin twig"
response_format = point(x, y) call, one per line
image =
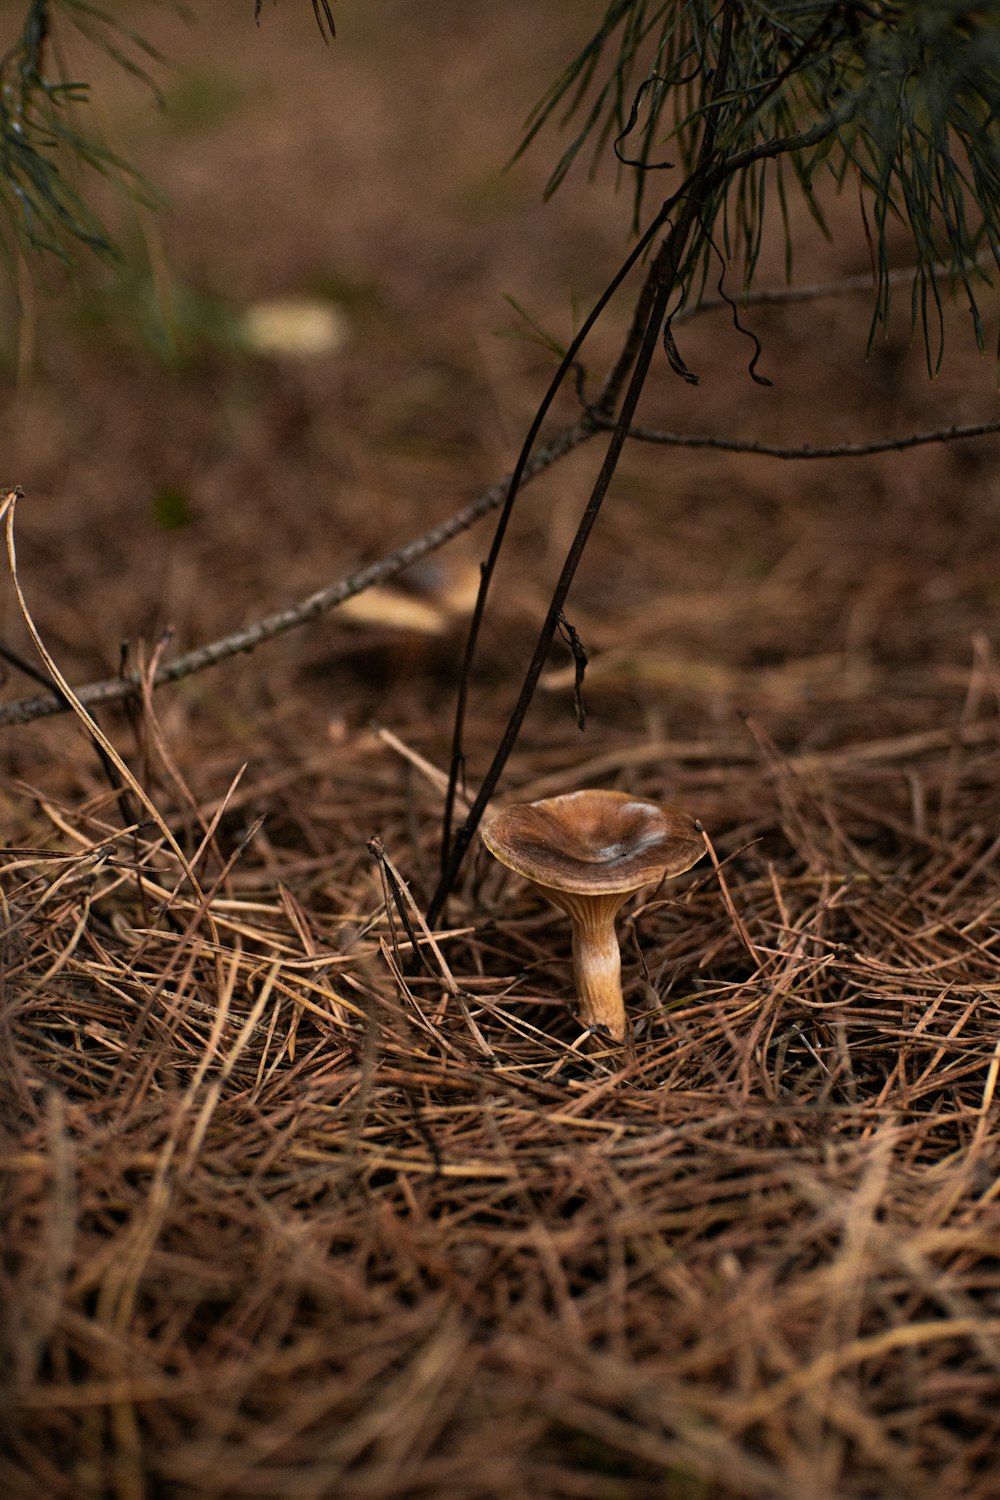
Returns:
point(666, 269)
point(464, 834)
point(844, 286)
point(568, 363)
point(832, 450)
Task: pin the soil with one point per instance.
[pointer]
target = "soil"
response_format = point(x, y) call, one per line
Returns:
point(290, 1213)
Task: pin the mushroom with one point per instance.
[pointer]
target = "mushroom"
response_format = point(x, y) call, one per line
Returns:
point(587, 851)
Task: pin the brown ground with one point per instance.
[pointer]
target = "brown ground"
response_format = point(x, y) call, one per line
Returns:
point(279, 1225)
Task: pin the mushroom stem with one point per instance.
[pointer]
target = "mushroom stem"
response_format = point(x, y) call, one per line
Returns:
point(597, 969)
point(597, 959)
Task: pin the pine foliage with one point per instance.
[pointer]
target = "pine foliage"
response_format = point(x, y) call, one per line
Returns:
point(900, 99)
point(45, 148)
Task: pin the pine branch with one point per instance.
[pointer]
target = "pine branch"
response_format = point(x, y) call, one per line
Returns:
point(43, 144)
point(903, 100)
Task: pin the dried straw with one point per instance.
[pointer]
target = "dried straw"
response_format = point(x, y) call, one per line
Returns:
point(292, 1212)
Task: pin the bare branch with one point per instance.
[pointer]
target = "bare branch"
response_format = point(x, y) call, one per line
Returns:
point(844, 286)
point(834, 450)
point(114, 689)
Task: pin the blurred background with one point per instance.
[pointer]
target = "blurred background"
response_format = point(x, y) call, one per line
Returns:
point(192, 459)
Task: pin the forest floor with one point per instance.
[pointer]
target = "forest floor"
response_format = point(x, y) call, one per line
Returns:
point(284, 1216)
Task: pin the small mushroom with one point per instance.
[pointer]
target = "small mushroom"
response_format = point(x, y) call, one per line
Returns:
point(588, 851)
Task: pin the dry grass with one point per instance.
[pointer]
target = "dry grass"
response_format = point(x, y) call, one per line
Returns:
point(287, 1216)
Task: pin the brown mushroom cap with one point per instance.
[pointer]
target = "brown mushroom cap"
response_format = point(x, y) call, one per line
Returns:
point(594, 842)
